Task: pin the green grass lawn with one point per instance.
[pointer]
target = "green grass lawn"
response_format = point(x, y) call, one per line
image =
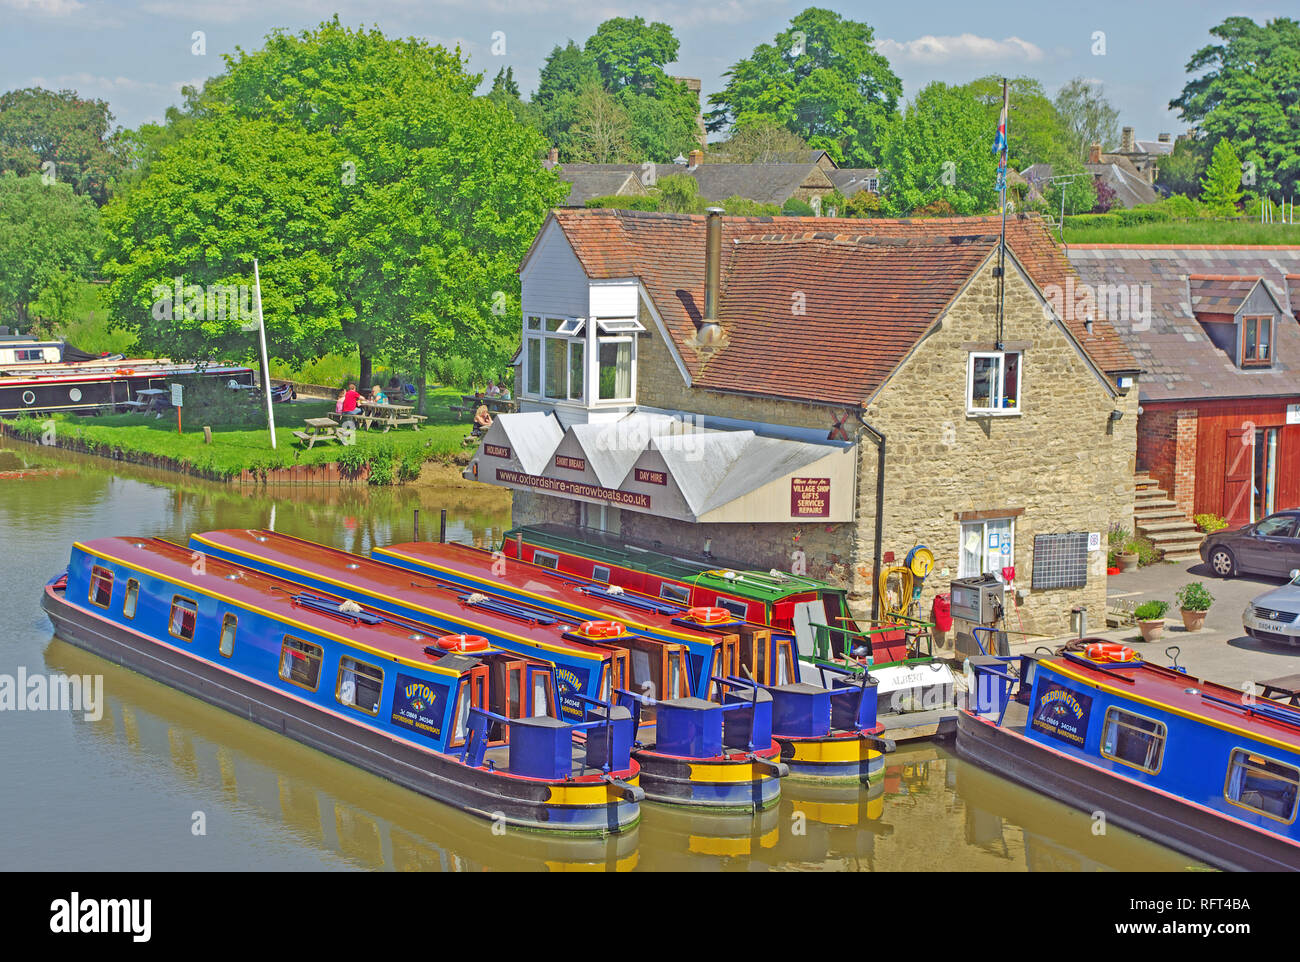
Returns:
point(395, 455)
point(1185, 232)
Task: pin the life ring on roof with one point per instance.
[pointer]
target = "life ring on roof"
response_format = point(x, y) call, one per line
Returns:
point(124, 370)
point(463, 643)
point(1110, 651)
point(600, 629)
point(709, 616)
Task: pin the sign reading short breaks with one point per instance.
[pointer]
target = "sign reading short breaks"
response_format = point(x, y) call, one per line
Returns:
point(496, 451)
point(1062, 713)
point(570, 463)
point(419, 705)
point(810, 497)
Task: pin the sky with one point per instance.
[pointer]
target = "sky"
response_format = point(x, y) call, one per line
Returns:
point(137, 54)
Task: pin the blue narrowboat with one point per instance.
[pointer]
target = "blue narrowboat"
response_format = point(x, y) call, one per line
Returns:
point(826, 735)
point(716, 754)
point(1195, 765)
point(412, 705)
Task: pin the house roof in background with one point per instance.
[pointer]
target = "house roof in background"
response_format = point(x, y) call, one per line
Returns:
point(1129, 186)
point(849, 180)
point(595, 180)
point(766, 183)
point(1221, 293)
point(1179, 361)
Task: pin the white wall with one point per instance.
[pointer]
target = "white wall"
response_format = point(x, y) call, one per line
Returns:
point(553, 281)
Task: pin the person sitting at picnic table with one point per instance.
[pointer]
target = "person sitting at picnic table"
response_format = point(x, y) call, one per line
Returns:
point(349, 400)
point(377, 395)
point(482, 419)
point(493, 390)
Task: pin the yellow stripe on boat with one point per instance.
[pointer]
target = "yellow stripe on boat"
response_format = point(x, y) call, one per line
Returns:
point(588, 793)
point(833, 751)
point(726, 772)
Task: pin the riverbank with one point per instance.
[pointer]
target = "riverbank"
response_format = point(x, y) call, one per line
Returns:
point(240, 452)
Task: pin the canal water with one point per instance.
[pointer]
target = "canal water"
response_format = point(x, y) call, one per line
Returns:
point(164, 781)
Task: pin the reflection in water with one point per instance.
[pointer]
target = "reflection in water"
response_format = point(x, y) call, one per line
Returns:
point(124, 791)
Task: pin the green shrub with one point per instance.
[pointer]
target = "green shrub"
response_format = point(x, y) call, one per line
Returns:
point(738, 206)
point(1151, 610)
point(351, 458)
point(1194, 596)
point(409, 467)
point(1147, 552)
point(794, 207)
point(1209, 523)
point(381, 466)
point(631, 202)
point(1117, 535)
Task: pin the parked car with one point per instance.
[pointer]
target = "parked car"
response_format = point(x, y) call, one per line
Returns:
point(1275, 615)
point(1267, 547)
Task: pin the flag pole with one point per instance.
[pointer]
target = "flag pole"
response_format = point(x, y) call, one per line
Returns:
point(266, 367)
point(1002, 246)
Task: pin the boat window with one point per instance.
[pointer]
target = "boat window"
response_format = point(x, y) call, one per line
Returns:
point(184, 615)
point(784, 663)
point(132, 598)
point(300, 662)
point(359, 685)
point(672, 592)
point(541, 694)
point(600, 573)
point(737, 608)
point(1133, 740)
point(101, 586)
point(1262, 785)
point(675, 674)
point(546, 559)
point(228, 625)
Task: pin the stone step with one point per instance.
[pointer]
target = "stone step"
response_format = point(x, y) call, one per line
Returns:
point(1151, 494)
point(1180, 556)
point(1158, 509)
point(1176, 544)
point(1172, 524)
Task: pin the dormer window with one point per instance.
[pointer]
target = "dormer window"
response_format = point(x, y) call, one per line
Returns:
point(558, 352)
point(1257, 341)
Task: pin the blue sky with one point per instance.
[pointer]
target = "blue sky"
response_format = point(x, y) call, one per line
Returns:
point(136, 54)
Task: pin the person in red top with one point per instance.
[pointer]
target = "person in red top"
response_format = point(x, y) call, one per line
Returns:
point(351, 398)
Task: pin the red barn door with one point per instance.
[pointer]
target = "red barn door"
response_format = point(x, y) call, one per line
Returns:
point(1238, 468)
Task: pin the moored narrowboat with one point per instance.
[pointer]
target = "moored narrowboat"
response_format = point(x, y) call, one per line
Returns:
point(385, 694)
point(1192, 764)
point(717, 754)
point(98, 385)
point(813, 614)
point(826, 734)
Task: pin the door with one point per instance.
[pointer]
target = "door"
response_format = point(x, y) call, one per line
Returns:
point(540, 700)
point(807, 614)
point(1238, 475)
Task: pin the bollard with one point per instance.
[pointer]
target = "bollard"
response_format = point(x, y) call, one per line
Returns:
point(442, 528)
point(417, 524)
point(207, 434)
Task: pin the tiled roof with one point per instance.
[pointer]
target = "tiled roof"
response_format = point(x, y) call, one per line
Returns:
point(856, 262)
point(1219, 293)
point(1130, 189)
point(849, 180)
point(1178, 358)
point(588, 181)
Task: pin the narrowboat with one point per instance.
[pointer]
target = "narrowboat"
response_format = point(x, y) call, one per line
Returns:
point(1192, 764)
point(826, 734)
point(815, 614)
point(412, 705)
point(716, 754)
point(84, 387)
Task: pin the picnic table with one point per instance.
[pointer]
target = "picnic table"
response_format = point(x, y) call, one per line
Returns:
point(155, 399)
point(1284, 686)
point(496, 403)
point(318, 429)
point(370, 413)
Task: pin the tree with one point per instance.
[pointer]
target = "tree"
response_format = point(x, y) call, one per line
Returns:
point(1106, 196)
point(1250, 93)
point(567, 71)
point(1180, 171)
point(759, 141)
point(46, 230)
point(1221, 185)
point(505, 91)
point(821, 79)
point(602, 130)
point(504, 83)
point(629, 53)
point(680, 194)
point(940, 150)
point(1088, 115)
point(60, 135)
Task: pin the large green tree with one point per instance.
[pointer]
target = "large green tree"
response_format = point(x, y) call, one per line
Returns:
point(1248, 90)
point(64, 136)
point(1088, 115)
point(940, 151)
point(1221, 185)
point(823, 80)
point(47, 234)
point(1180, 171)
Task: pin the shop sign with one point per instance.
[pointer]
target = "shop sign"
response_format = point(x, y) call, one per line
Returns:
point(646, 476)
point(810, 497)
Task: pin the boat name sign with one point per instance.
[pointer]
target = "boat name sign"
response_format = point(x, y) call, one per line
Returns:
point(1062, 713)
point(419, 705)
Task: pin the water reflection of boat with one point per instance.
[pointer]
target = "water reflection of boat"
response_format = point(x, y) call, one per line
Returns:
point(324, 803)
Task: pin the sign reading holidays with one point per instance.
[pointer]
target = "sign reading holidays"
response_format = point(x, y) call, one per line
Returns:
point(419, 706)
point(496, 451)
point(810, 497)
point(1062, 713)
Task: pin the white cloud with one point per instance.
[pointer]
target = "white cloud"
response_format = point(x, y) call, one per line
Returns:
point(88, 84)
point(966, 47)
point(49, 8)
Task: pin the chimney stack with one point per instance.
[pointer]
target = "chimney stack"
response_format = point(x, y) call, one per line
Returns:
point(710, 335)
point(553, 156)
point(1094, 154)
point(694, 159)
point(1163, 138)
point(1126, 143)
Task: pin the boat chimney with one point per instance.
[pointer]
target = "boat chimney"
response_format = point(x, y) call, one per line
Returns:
point(710, 336)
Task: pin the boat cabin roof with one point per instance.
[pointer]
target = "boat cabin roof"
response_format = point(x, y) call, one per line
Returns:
point(355, 575)
point(759, 585)
point(275, 597)
point(1182, 694)
point(533, 579)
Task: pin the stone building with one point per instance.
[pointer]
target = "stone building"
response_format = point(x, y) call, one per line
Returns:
point(737, 404)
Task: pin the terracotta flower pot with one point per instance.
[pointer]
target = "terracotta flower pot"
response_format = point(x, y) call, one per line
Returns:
point(1127, 562)
point(1152, 630)
point(1193, 620)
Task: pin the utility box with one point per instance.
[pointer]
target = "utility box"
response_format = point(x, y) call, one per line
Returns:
point(977, 599)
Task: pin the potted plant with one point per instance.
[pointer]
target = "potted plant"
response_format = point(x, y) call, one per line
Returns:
point(1128, 555)
point(1150, 617)
point(1194, 600)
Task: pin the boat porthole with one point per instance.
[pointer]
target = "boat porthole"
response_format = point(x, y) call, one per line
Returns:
point(29, 397)
point(75, 394)
point(353, 565)
point(1191, 691)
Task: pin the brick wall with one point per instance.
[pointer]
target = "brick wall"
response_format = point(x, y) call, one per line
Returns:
point(1166, 449)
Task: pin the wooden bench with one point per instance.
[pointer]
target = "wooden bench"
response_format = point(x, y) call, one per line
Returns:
point(318, 429)
point(1119, 612)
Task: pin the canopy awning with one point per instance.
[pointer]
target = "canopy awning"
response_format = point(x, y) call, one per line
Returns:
point(665, 465)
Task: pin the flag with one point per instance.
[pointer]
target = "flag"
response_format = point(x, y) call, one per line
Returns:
point(1000, 141)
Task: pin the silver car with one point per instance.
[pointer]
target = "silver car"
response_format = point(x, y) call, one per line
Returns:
point(1275, 615)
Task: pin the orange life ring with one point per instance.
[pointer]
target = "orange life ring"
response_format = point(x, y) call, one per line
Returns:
point(709, 616)
point(1110, 651)
point(601, 629)
point(125, 370)
point(463, 643)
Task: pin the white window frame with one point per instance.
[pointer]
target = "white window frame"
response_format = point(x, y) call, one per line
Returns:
point(984, 550)
point(572, 331)
point(630, 340)
point(1001, 410)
